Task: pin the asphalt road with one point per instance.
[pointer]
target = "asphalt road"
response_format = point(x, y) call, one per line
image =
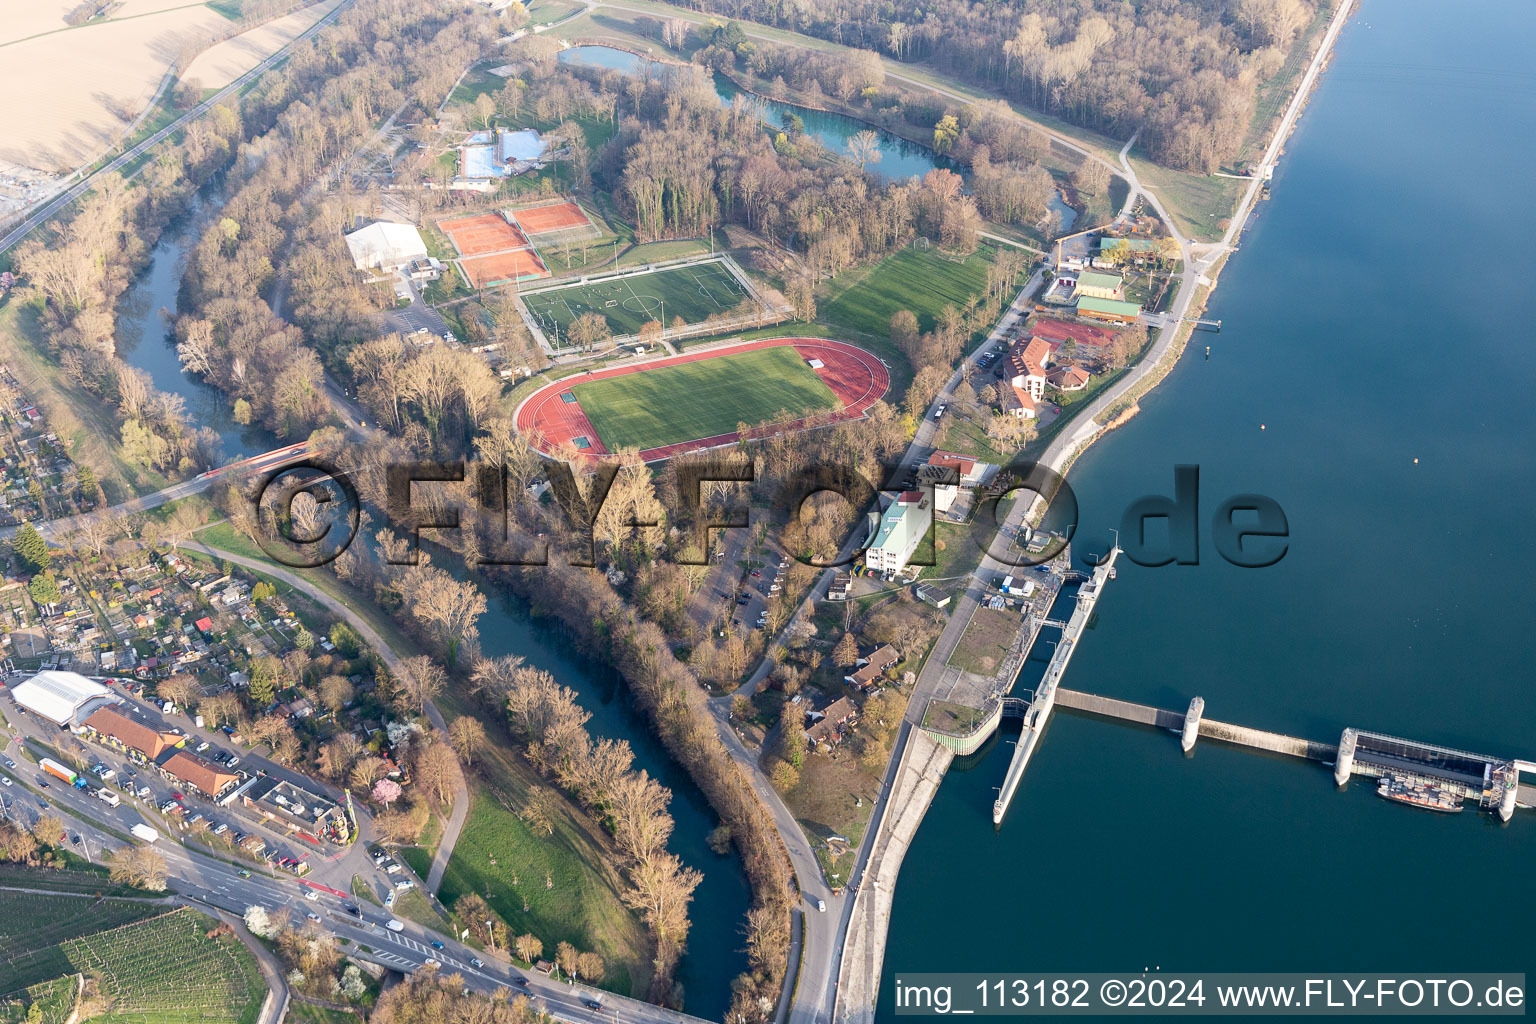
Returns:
point(218, 883)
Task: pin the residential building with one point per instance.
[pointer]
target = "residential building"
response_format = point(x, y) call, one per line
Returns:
point(1027, 361)
point(1019, 402)
point(1109, 309)
point(902, 526)
point(870, 670)
point(386, 246)
point(1095, 284)
point(828, 725)
point(1069, 378)
point(947, 472)
point(842, 583)
point(142, 743)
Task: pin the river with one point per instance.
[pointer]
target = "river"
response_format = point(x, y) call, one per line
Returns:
point(719, 908)
point(900, 158)
point(1363, 330)
point(145, 339)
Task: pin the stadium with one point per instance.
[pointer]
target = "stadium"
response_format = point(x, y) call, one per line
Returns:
point(666, 407)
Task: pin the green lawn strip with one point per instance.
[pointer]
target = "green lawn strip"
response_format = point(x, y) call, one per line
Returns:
point(702, 399)
point(834, 797)
point(921, 281)
point(501, 858)
point(547, 12)
point(413, 906)
point(363, 891)
point(309, 1013)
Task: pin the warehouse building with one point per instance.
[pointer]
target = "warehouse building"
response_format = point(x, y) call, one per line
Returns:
point(386, 246)
point(63, 698)
point(1109, 310)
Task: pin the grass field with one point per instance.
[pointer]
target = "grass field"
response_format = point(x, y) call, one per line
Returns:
point(160, 970)
point(693, 293)
point(697, 400)
point(919, 280)
point(499, 855)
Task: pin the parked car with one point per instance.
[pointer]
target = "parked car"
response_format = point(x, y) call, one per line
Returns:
point(203, 746)
point(312, 915)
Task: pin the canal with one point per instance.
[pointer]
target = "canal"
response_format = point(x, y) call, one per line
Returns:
point(1360, 382)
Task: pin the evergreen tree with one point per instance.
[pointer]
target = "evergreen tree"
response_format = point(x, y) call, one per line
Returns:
point(44, 588)
point(30, 548)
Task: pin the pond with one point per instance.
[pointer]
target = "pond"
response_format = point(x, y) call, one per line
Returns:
point(899, 158)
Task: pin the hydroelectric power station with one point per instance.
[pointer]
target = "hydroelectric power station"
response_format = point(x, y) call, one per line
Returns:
point(1415, 773)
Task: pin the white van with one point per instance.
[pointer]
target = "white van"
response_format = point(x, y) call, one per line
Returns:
point(394, 925)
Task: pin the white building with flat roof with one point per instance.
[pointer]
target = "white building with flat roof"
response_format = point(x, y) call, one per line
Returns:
point(64, 698)
point(386, 246)
point(901, 529)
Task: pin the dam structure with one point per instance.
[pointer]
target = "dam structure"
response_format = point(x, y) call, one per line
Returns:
point(1413, 772)
point(1038, 712)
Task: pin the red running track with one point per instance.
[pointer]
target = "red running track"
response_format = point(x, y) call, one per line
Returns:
point(858, 378)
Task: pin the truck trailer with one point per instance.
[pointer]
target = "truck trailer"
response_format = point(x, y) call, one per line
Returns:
point(144, 832)
point(62, 773)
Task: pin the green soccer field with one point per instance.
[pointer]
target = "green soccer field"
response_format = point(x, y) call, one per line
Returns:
point(693, 293)
point(703, 399)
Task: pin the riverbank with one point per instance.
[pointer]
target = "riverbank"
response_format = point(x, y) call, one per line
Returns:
point(921, 763)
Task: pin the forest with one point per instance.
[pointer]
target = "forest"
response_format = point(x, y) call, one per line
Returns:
point(1183, 73)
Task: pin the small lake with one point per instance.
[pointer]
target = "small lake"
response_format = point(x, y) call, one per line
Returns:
point(899, 158)
point(145, 340)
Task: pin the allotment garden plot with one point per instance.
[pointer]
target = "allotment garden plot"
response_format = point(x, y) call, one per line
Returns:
point(694, 292)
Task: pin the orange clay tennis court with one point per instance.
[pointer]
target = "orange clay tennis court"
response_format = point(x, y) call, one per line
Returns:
point(488, 232)
point(504, 267)
point(556, 217)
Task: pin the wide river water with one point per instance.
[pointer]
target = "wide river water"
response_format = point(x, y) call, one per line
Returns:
point(1372, 318)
